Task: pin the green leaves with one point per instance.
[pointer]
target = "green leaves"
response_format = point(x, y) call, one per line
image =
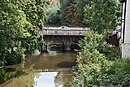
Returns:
point(20, 23)
point(90, 62)
point(101, 15)
point(72, 12)
point(96, 63)
point(119, 72)
point(52, 14)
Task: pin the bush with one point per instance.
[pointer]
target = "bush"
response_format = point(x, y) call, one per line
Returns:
point(119, 73)
point(6, 74)
point(91, 64)
point(98, 65)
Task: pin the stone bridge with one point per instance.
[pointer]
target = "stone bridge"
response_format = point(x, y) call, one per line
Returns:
point(63, 35)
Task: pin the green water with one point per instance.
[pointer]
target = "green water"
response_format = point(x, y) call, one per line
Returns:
point(44, 70)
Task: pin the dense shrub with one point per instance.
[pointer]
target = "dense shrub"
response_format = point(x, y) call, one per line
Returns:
point(119, 73)
point(95, 68)
point(91, 64)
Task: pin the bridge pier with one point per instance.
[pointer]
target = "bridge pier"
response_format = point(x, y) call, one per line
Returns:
point(44, 47)
point(67, 43)
point(67, 46)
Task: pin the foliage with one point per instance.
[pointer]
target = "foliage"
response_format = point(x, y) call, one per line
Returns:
point(112, 53)
point(68, 13)
point(7, 74)
point(119, 73)
point(20, 21)
point(95, 68)
point(80, 4)
point(18, 71)
point(72, 12)
point(91, 64)
point(52, 14)
point(102, 15)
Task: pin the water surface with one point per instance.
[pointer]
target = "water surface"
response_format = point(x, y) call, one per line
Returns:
point(45, 70)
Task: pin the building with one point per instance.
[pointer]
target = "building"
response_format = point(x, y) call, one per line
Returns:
point(125, 45)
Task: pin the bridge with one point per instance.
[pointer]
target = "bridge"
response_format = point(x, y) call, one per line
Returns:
point(63, 35)
point(63, 30)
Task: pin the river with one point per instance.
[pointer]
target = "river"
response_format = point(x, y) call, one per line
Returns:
point(44, 70)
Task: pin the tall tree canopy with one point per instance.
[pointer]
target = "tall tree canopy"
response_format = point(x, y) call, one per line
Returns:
point(68, 12)
point(20, 21)
point(52, 13)
point(80, 4)
point(102, 15)
point(72, 12)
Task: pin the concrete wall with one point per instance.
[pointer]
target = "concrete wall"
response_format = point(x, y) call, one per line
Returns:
point(127, 23)
point(126, 44)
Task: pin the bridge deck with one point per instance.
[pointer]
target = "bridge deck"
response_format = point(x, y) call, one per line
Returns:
point(64, 31)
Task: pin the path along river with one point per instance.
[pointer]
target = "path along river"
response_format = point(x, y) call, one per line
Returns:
point(44, 70)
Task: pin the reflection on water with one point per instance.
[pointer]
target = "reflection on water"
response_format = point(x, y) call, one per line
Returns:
point(49, 70)
point(45, 79)
point(53, 79)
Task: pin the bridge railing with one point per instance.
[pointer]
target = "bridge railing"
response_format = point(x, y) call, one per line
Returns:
point(69, 31)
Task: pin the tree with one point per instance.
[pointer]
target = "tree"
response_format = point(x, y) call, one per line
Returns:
point(20, 22)
point(72, 12)
point(102, 15)
point(68, 13)
point(80, 4)
point(52, 14)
